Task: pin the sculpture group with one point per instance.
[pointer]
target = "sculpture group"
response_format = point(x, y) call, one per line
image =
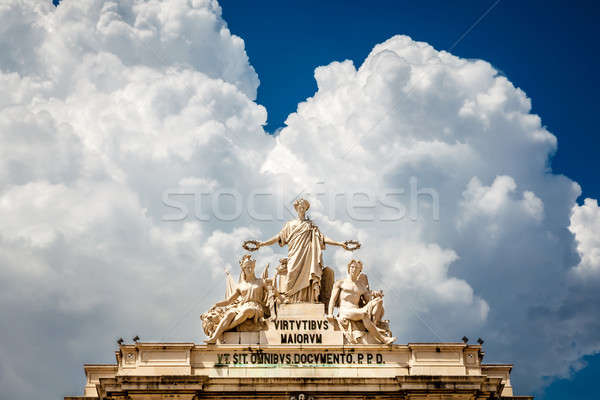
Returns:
point(300, 278)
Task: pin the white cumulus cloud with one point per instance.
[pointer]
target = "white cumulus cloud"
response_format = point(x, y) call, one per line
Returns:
point(585, 225)
point(499, 252)
point(107, 106)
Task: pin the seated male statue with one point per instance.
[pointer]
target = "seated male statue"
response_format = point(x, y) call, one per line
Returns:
point(348, 294)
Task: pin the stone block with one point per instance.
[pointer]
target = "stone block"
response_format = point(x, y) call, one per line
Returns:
point(301, 311)
point(230, 338)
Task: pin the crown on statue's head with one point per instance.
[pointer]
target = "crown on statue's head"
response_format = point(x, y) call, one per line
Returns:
point(245, 258)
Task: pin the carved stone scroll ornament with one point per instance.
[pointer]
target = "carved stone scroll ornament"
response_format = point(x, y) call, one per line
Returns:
point(360, 309)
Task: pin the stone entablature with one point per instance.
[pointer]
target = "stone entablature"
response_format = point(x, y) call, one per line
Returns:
point(188, 370)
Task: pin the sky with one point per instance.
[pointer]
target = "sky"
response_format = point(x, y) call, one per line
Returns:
point(546, 49)
point(112, 110)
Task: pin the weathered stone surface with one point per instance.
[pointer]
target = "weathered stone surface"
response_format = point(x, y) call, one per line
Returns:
point(301, 311)
point(191, 371)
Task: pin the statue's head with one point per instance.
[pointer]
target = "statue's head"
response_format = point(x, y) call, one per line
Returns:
point(301, 205)
point(247, 264)
point(354, 269)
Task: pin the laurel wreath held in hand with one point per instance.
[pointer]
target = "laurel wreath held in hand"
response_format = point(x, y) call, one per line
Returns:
point(251, 245)
point(352, 245)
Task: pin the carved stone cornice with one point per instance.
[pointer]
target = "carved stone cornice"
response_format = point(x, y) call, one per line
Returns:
point(200, 387)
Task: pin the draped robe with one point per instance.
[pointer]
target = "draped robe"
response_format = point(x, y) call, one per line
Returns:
point(305, 254)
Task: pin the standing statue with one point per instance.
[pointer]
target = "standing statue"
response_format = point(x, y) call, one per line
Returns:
point(357, 303)
point(247, 302)
point(305, 243)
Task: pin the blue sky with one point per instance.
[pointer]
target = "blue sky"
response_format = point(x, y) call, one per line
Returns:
point(548, 50)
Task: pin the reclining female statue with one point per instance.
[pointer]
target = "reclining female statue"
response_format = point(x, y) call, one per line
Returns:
point(245, 303)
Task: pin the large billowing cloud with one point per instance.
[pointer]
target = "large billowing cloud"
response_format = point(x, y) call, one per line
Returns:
point(108, 106)
point(105, 106)
point(497, 261)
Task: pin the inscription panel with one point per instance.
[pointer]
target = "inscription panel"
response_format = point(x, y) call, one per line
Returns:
point(164, 356)
point(283, 356)
point(430, 356)
point(303, 332)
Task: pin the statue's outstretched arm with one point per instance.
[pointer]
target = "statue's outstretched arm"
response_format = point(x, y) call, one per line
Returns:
point(269, 242)
point(333, 242)
point(345, 245)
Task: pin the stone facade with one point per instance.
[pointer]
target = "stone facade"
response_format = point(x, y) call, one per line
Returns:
point(145, 371)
